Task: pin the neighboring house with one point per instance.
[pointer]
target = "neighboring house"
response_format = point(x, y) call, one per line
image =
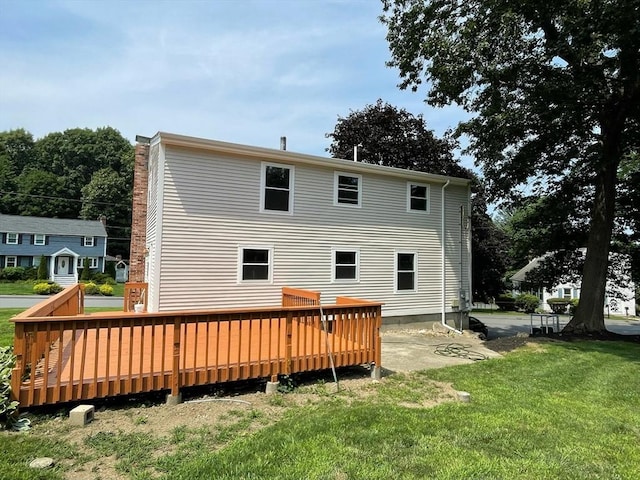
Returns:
point(221, 225)
point(619, 300)
point(63, 242)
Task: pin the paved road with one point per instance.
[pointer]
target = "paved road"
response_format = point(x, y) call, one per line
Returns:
point(508, 325)
point(26, 301)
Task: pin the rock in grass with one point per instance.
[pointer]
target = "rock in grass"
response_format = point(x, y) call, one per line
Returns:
point(42, 462)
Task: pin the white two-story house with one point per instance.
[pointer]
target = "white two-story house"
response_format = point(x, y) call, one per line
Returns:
point(222, 225)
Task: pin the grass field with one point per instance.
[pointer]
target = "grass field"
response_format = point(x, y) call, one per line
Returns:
point(556, 411)
point(26, 288)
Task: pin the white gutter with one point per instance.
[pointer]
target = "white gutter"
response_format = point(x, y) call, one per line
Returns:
point(444, 269)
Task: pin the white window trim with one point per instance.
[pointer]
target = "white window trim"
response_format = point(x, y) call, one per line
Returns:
point(395, 272)
point(93, 262)
point(17, 238)
point(6, 261)
point(336, 176)
point(269, 279)
point(355, 250)
point(86, 244)
point(39, 236)
point(428, 198)
point(263, 186)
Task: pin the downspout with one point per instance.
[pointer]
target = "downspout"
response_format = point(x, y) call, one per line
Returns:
point(444, 270)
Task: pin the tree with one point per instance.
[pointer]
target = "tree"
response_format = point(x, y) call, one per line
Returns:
point(43, 270)
point(555, 87)
point(386, 135)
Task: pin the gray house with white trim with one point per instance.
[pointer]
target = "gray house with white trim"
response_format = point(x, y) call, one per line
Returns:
point(228, 225)
point(63, 242)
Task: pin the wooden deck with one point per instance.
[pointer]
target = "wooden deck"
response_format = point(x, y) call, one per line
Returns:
point(80, 357)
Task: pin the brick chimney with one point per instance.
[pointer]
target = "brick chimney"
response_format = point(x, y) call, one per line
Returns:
point(139, 213)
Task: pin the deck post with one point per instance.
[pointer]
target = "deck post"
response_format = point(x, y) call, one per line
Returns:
point(288, 350)
point(18, 369)
point(174, 397)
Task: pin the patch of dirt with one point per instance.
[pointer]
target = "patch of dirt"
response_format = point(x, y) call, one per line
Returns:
point(508, 344)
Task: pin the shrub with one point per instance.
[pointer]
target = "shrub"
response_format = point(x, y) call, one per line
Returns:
point(30, 273)
point(91, 288)
point(506, 302)
point(7, 407)
point(42, 288)
point(558, 305)
point(527, 302)
point(106, 290)
point(110, 269)
point(43, 271)
point(13, 274)
point(100, 278)
point(55, 287)
point(85, 276)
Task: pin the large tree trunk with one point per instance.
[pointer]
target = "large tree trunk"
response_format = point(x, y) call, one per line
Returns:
point(589, 317)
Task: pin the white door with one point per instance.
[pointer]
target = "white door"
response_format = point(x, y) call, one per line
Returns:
point(63, 265)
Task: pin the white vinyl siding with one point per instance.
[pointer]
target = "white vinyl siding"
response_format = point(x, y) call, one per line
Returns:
point(39, 239)
point(12, 238)
point(213, 197)
point(347, 189)
point(10, 261)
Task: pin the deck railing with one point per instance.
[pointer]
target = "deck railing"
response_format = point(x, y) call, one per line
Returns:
point(135, 293)
point(80, 357)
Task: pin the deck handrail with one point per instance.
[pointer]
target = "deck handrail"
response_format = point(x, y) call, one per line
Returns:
point(292, 297)
point(135, 293)
point(177, 349)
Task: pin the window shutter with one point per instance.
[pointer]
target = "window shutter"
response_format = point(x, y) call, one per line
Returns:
point(4, 238)
point(559, 293)
point(19, 239)
point(46, 239)
point(32, 238)
point(82, 241)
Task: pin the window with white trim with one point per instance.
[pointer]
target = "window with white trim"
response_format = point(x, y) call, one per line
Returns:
point(93, 262)
point(10, 261)
point(347, 189)
point(346, 265)
point(255, 264)
point(406, 271)
point(276, 193)
point(12, 238)
point(39, 239)
point(88, 241)
point(417, 197)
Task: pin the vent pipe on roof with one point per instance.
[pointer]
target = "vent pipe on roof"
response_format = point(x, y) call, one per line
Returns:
point(283, 143)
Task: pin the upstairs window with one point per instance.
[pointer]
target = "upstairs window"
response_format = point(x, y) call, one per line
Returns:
point(417, 197)
point(346, 262)
point(347, 189)
point(406, 272)
point(39, 239)
point(12, 238)
point(255, 264)
point(88, 241)
point(277, 188)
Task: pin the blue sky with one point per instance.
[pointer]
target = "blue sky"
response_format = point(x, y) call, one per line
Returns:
point(242, 71)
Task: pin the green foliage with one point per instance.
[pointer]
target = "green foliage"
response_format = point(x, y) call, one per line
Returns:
point(100, 278)
point(85, 276)
point(13, 274)
point(43, 288)
point(573, 306)
point(43, 270)
point(110, 270)
point(555, 120)
point(506, 302)
point(91, 288)
point(559, 305)
point(106, 290)
point(55, 288)
point(527, 303)
point(7, 406)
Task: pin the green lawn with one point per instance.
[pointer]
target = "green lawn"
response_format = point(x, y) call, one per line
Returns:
point(26, 288)
point(559, 411)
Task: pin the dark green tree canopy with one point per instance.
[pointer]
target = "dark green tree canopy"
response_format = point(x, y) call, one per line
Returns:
point(555, 88)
